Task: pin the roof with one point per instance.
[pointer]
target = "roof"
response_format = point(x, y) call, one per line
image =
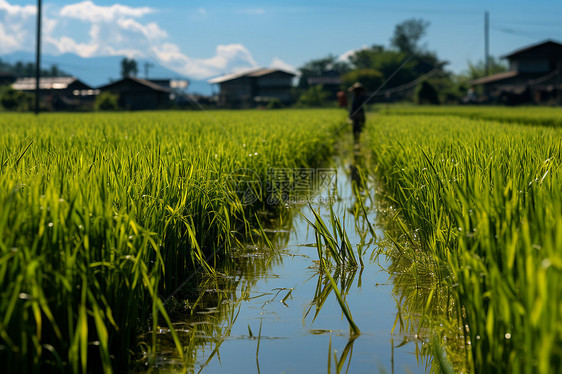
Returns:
point(47, 83)
point(496, 77)
point(252, 73)
point(547, 43)
point(142, 82)
point(171, 83)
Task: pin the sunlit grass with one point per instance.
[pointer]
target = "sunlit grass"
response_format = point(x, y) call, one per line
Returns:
point(483, 199)
point(525, 115)
point(103, 214)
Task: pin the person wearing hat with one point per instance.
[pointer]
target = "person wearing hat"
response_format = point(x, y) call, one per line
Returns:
point(357, 113)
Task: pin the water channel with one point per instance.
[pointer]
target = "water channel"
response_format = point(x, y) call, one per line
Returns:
point(258, 315)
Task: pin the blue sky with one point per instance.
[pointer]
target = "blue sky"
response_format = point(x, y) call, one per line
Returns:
point(202, 39)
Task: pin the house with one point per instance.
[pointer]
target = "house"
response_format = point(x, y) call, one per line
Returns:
point(330, 81)
point(172, 84)
point(59, 92)
point(6, 78)
point(254, 87)
point(534, 75)
point(140, 94)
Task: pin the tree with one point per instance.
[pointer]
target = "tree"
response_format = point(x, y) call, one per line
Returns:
point(371, 79)
point(427, 94)
point(11, 99)
point(408, 34)
point(315, 96)
point(107, 101)
point(54, 71)
point(129, 67)
point(21, 70)
point(478, 70)
point(316, 67)
point(386, 62)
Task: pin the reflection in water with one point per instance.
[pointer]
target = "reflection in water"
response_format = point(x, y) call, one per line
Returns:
point(217, 316)
point(345, 356)
point(207, 307)
point(427, 312)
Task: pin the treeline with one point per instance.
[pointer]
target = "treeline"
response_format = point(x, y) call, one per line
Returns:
point(405, 71)
point(27, 69)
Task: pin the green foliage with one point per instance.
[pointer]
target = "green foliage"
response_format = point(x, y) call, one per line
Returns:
point(402, 65)
point(407, 35)
point(478, 70)
point(129, 67)
point(315, 96)
point(13, 100)
point(107, 101)
point(484, 201)
point(540, 116)
point(274, 104)
point(370, 78)
point(426, 94)
point(21, 70)
point(386, 62)
point(104, 214)
point(320, 66)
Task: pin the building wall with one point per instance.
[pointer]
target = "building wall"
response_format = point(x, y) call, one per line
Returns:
point(274, 80)
point(277, 85)
point(242, 92)
point(237, 93)
point(531, 65)
point(133, 96)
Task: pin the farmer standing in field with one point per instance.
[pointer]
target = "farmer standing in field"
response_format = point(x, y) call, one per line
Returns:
point(357, 113)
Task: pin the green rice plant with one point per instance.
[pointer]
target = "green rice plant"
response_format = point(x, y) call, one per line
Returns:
point(346, 355)
point(337, 246)
point(483, 200)
point(104, 215)
point(345, 262)
point(524, 115)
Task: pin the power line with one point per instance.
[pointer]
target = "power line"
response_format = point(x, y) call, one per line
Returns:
point(510, 31)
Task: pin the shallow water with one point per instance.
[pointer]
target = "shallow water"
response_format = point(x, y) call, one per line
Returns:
point(255, 317)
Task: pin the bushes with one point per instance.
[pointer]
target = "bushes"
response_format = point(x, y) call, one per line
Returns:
point(13, 100)
point(107, 101)
point(427, 94)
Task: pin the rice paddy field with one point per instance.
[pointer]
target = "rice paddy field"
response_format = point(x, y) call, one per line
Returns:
point(479, 202)
point(105, 216)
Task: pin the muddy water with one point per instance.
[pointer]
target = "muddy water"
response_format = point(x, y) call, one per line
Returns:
point(259, 316)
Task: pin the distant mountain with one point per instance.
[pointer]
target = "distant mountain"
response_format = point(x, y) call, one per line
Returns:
point(97, 71)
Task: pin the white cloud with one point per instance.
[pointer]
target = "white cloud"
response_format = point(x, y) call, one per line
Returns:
point(347, 54)
point(113, 30)
point(17, 25)
point(17, 10)
point(151, 30)
point(280, 64)
point(89, 30)
point(88, 11)
point(65, 45)
point(228, 58)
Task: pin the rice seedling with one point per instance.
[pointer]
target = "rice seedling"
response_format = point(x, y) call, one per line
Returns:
point(346, 355)
point(482, 200)
point(334, 252)
point(104, 215)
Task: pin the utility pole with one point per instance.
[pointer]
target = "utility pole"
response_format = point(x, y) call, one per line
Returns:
point(147, 66)
point(38, 58)
point(487, 42)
